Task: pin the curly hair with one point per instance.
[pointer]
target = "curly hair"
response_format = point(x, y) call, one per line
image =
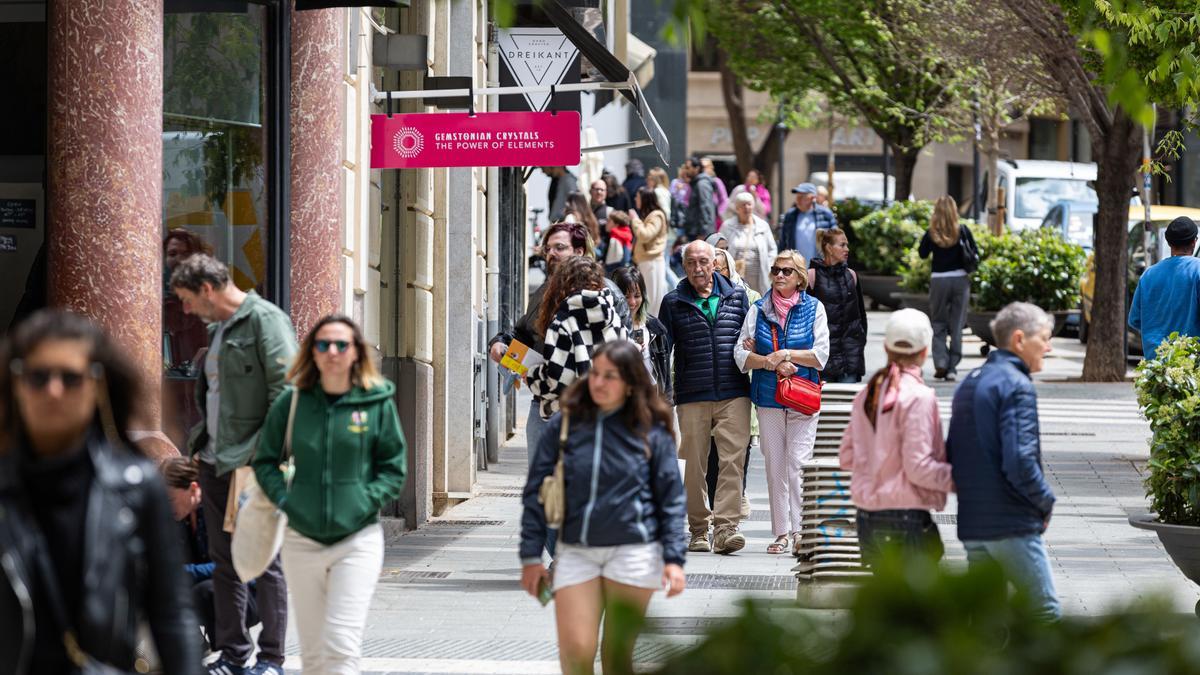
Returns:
point(192, 241)
point(578, 273)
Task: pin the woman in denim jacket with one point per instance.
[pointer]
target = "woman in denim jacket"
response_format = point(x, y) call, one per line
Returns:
point(622, 535)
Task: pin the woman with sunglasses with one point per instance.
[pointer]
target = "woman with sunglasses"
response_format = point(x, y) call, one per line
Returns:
point(349, 460)
point(784, 335)
point(85, 523)
point(622, 533)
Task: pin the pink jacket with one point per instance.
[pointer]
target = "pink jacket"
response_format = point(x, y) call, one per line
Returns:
point(901, 462)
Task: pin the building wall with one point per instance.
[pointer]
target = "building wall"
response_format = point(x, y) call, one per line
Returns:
point(708, 134)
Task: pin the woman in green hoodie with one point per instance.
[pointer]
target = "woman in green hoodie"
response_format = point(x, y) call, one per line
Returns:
point(349, 455)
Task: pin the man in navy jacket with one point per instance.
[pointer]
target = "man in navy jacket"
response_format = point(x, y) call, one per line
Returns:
point(994, 448)
point(703, 317)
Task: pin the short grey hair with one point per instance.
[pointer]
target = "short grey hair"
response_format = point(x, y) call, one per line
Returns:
point(1019, 316)
point(198, 269)
point(743, 197)
point(700, 245)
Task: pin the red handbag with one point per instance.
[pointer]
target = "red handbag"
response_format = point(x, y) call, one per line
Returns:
point(798, 393)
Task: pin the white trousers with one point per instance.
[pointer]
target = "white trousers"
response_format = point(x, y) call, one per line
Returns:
point(786, 438)
point(655, 274)
point(331, 589)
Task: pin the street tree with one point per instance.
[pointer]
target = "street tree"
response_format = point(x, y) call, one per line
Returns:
point(866, 57)
point(998, 75)
point(1112, 63)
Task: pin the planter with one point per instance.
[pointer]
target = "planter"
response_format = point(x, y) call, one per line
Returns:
point(1181, 541)
point(917, 301)
point(979, 322)
point(880, 288)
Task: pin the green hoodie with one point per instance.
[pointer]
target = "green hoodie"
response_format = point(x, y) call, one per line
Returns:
point(350, 459)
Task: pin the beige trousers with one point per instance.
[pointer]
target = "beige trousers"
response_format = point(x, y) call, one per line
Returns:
point(728, 423)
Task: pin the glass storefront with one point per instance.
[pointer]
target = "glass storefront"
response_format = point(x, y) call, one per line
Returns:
point(216, 172)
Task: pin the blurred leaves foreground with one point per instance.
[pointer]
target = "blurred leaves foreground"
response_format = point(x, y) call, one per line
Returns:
point(916, 617)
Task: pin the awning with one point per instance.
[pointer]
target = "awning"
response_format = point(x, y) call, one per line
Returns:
point(641, 59)
point(327, 4)
point(612, 69)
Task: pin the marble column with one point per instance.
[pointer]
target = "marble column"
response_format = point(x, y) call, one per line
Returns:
point(105, 176)
point(317, 96)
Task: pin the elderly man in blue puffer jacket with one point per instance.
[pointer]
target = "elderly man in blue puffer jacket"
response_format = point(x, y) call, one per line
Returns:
point(994, 448)
point(703, 317)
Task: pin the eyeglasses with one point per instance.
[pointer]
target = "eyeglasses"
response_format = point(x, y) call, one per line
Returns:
point(324, 345)
point(558, 248)
point(40, 378)
point(785, 271)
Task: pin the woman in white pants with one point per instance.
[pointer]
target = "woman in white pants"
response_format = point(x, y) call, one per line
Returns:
point(349, 456)
point(784, 335)
point(650, 230)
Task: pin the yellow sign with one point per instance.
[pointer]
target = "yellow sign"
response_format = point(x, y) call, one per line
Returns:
point(515, 356)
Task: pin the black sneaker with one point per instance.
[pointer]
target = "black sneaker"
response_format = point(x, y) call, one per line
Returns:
point(939, 373)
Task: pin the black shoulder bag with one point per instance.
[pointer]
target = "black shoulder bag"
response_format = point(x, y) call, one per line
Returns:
point(970, 254)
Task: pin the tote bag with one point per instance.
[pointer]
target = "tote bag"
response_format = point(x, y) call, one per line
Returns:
point(258, 534)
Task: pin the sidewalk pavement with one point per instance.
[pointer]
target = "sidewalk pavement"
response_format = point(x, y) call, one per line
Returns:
point(449, 602)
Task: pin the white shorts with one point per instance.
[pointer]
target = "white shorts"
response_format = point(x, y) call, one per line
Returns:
point(639, 565)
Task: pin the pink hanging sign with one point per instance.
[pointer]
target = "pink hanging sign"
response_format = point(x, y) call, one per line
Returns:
point(428, 140)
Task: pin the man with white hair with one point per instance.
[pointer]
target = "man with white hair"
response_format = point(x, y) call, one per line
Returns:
point(994, 448)
point(703, 317)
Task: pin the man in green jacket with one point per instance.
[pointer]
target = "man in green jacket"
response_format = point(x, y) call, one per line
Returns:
point(251, 345)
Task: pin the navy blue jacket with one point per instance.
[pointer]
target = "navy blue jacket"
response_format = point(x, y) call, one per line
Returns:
point(704, 366)
point(995, 452)
point(615, 493)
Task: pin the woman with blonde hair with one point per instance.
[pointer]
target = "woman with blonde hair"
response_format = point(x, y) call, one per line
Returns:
point(784, 335)
point(832, 282)
point(348, 460)
point(658, 181)
point(954, 258)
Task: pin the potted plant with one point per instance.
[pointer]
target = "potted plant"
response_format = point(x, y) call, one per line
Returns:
point(847, 211)
point(883, 238)
point(1036, 266)
point(1168, 390)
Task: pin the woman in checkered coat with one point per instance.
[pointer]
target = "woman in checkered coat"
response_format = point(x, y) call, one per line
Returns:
point(578, 315)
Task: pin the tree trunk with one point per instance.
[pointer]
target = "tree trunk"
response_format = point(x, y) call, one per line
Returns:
point(735, 109)
point(1117, 159)
point(906, 162)
point(991, 211)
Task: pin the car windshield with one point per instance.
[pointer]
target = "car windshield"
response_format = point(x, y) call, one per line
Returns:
point(1035, 196)
point(1079, 229)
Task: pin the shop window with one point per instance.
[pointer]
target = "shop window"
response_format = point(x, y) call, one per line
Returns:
point(1043, 139)
point(215, 182)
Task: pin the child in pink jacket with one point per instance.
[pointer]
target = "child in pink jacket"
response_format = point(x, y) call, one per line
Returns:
point(894, 447)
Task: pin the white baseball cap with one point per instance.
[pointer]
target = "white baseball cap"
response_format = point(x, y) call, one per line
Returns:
point(908, 332)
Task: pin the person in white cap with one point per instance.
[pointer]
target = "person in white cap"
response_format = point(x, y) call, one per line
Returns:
point(894, 447)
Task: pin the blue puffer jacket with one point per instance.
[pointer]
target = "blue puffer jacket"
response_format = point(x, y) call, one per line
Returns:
point(995, 452)
point(615, 493)
point(704, 366)
point(799, 335)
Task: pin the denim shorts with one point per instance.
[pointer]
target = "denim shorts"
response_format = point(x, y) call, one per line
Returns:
point(639, 565)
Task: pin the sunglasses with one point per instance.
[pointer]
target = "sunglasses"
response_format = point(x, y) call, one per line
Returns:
point(40, 378)
point(785, 271)
point(324, 345)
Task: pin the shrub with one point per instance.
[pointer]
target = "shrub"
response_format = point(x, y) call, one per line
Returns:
point(1168, 389)
point(847, 211)
point(1035, 266)
point(883, 237)
point(920, 619)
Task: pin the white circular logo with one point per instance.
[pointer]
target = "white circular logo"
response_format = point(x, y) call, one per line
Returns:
point(408, 142)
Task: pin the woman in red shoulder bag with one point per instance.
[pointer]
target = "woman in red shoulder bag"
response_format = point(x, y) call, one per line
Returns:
point(785, 337)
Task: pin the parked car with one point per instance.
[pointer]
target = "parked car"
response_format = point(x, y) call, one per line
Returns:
point(1031, 187)
point(865, 186)
point(1160, 217)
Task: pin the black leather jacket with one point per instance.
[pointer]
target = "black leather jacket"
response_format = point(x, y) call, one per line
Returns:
point(133, 568)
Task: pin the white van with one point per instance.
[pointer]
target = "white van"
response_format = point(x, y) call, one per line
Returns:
point(1031, 187)
point(865, 186)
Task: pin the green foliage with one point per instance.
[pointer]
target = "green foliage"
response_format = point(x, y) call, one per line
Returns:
point(1168, 389)
point(1145, 52)
point(884, 236)
point(850, 209)
point(916, 618)
point(1036, 266)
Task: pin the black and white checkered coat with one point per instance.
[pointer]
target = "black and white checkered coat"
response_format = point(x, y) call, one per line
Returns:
point(584, 321)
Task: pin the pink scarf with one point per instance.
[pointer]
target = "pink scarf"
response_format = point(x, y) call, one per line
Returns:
point(784, 305)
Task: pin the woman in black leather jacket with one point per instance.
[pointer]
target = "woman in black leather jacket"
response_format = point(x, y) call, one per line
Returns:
point(837, 287)
point(87, 544)
point(622, 535)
